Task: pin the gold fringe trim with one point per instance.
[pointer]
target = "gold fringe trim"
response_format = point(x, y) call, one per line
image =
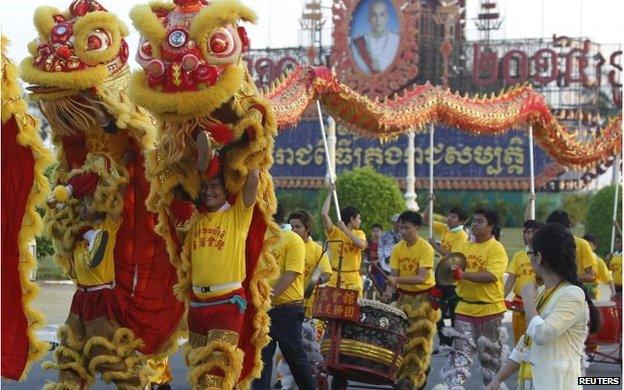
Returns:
point(61, 386)
point(417, 351)
point(32, 225)
point(122, 349)
point(76, 364)
point(200, 362)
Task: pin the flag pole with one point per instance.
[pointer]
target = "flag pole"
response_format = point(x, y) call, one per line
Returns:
point(431, 132)
point(532, 171)
point(332, 177)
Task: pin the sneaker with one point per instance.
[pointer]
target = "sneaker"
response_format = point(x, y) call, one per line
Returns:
point(95, 255)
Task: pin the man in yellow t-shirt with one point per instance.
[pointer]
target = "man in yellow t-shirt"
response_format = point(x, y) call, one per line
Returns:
point(302, 224)
point(452, 235)
point(287, 313)
point(90, 318)
point(348, 242)
point(479, 313)
point(520, 272)
point(603, 275)
point(615, 264)
point(585, 260)
point(411, 262)
point(218, 300)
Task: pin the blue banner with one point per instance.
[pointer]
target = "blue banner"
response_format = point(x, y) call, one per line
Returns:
point(299, 152)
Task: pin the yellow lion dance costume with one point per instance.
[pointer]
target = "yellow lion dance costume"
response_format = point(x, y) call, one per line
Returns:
point(102, 233)
point(212, 122)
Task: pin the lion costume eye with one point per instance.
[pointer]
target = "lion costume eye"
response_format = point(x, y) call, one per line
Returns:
point(222, 43)
point(98, 37)
point(98, 40)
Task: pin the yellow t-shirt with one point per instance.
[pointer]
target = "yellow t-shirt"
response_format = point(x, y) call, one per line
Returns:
point(584, 256)
point(351, 259)
point(217, 242)
point(603, 275)
point(615, 265)
point(487, 256)
point(520, 266)
point(407, 260)
point(105, 271)
point(289, 253)
point(449, 240)
point(312, 253)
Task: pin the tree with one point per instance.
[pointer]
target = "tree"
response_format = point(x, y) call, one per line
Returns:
point(600, 215)
point(576, 206)
point(376, 196)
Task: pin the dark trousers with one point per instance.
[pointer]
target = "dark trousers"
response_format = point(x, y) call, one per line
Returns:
point(286, 329)
point(447, 307)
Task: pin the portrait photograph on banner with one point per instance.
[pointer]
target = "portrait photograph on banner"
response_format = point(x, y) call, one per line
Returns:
point(375, 35)
point(375, 47)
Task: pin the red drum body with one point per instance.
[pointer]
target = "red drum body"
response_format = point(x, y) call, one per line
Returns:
point(610, 329)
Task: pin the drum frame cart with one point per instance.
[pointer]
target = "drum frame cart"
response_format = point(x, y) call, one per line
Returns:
point(614, 337)
point(343, 372)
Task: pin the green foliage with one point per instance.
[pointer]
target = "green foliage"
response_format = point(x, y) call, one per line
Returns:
point(376, 196)
point(576, 205)
point(600, 215)
point(45, 249)
point(292, 199)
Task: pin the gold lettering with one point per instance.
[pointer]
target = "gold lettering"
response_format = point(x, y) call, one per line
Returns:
point(343, 152)
point(514, 156)
point(373, 157)
point(284, 156)
point(319, 153)
point(303, 155)
point(393, 155)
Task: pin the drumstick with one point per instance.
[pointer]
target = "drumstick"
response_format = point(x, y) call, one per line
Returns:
point(381, 271)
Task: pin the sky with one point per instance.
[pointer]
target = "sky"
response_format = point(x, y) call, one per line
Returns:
point(278, 24)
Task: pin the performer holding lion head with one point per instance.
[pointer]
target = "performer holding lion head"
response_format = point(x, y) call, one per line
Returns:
point(210, 179)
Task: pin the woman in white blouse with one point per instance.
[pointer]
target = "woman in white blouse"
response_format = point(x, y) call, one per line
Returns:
point(549, 355)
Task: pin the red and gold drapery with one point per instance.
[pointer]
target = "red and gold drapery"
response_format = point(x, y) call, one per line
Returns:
point(518, 107)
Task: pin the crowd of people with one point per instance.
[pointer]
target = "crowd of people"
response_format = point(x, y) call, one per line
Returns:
point(553, 281)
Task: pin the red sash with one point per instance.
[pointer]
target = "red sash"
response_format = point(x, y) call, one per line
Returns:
point(360, 45)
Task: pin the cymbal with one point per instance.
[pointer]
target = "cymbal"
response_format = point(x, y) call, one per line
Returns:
point(444, 271)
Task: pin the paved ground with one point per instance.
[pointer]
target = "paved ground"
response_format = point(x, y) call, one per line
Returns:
point(54, 301)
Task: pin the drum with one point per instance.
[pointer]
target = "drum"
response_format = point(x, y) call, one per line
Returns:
point(368, 351)
point(610, 326)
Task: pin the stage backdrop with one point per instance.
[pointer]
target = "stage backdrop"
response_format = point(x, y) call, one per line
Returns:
point(461, 161)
